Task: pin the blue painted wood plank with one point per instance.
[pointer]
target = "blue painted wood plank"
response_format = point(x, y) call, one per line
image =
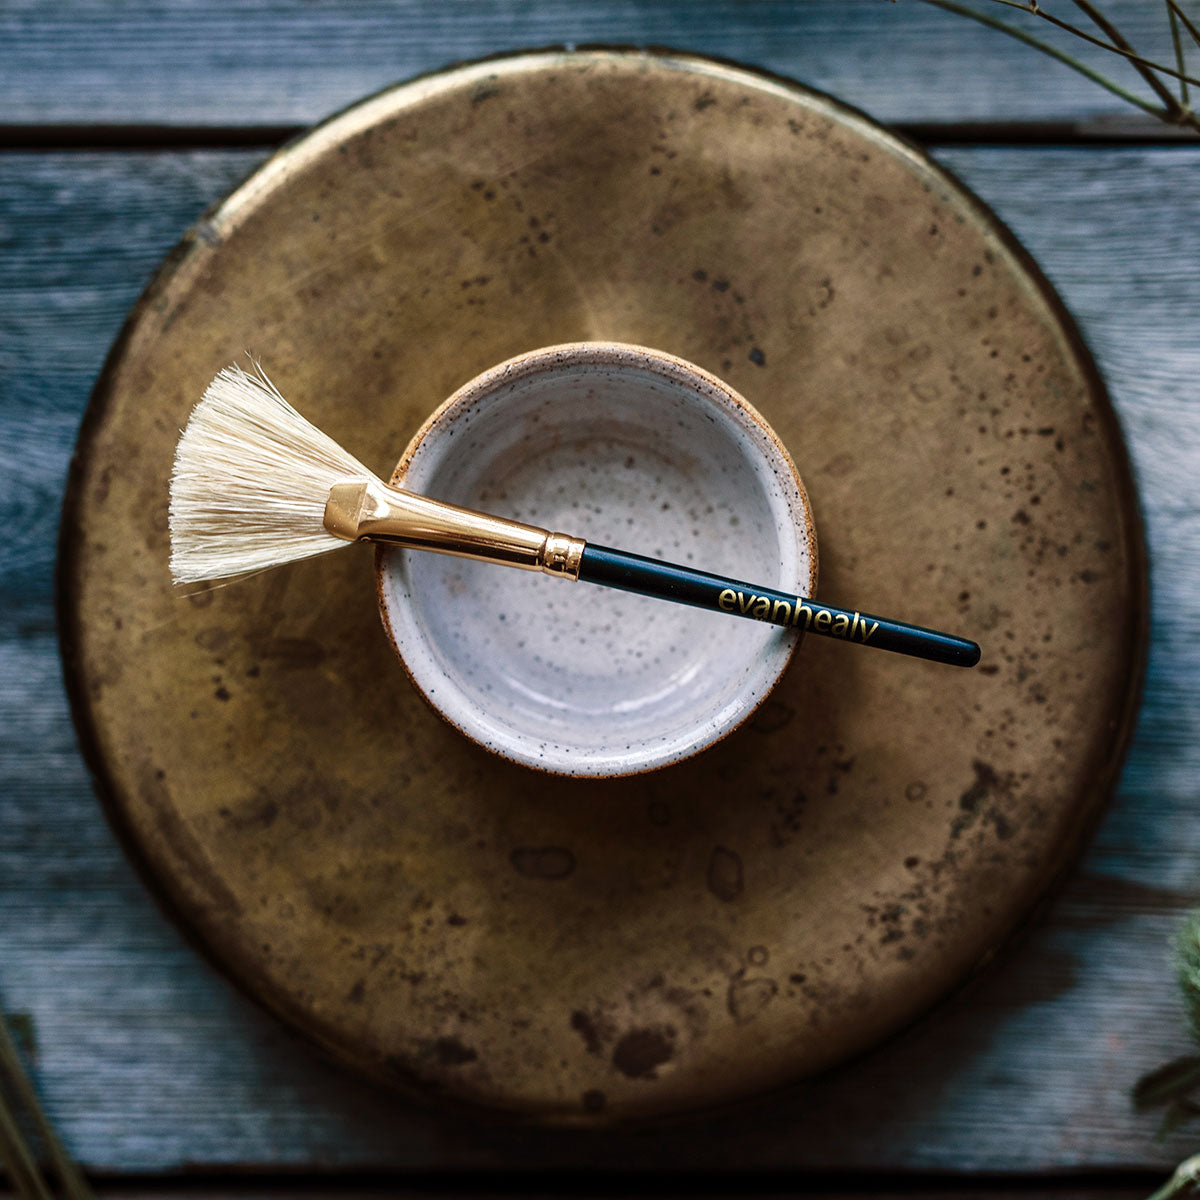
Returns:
point(193, 62)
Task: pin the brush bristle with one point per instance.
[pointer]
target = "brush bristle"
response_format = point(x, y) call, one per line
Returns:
point(250, 482)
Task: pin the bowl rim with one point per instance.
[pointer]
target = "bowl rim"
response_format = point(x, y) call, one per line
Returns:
point(599, 353)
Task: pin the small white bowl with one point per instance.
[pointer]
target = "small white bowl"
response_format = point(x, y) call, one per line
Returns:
point(626, 447)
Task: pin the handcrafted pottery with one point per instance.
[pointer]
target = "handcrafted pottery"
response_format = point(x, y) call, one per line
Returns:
point(627, 447)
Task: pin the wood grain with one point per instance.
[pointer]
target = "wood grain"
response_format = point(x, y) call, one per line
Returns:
point(149, 1061)
point(195, 63)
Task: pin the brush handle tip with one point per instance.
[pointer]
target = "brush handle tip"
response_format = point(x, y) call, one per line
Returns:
point(669, 581)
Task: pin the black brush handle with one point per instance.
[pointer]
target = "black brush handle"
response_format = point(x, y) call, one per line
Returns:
point(668, 581)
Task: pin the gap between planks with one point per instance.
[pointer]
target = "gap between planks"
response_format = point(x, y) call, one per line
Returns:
point(1107, 131)
point(625, 1185)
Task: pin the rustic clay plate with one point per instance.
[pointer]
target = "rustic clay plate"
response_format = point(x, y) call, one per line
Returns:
point(581, 951)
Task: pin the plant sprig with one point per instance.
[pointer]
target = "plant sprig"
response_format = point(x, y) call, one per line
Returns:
point(1171, 106)
point(1185, 1179)
point(18, 1098)
point(1175, 1087)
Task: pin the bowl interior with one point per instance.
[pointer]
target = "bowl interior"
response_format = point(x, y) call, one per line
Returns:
point(626, 450)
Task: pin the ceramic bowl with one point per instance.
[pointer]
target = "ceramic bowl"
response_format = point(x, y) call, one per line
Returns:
point(626, 447)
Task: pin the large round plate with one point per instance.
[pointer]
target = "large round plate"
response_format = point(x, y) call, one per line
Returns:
point(595, 952)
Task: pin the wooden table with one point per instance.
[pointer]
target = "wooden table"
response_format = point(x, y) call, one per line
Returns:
point(120, 124)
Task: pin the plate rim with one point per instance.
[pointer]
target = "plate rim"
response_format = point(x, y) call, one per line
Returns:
point(361, 114)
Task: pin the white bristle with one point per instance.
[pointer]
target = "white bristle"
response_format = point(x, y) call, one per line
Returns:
point(250, 482)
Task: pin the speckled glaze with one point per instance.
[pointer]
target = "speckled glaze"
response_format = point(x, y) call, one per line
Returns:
point(627, 447)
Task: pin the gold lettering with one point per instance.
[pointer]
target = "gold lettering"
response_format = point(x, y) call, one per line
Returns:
point(867, 633)
point(801, 607)
point(787, 612)
point(727, 599)
point(743, 603)
point(840, 624)
point(822, 619)
point(762, 607)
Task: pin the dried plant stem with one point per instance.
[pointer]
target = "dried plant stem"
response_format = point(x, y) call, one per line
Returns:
point(1173, 110)
point(1117, 46)
point(17, 1161)
point(1177, 41)
point(1185, 1179)
point(14, 1152)
point(1186, 21)
point(1148, 71)
point(1047, 49)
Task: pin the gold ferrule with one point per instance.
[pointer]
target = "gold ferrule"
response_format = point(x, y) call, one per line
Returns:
point(368, 509)
point(562, 554)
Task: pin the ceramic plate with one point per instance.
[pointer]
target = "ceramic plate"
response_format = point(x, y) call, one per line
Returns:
point(594, 952)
